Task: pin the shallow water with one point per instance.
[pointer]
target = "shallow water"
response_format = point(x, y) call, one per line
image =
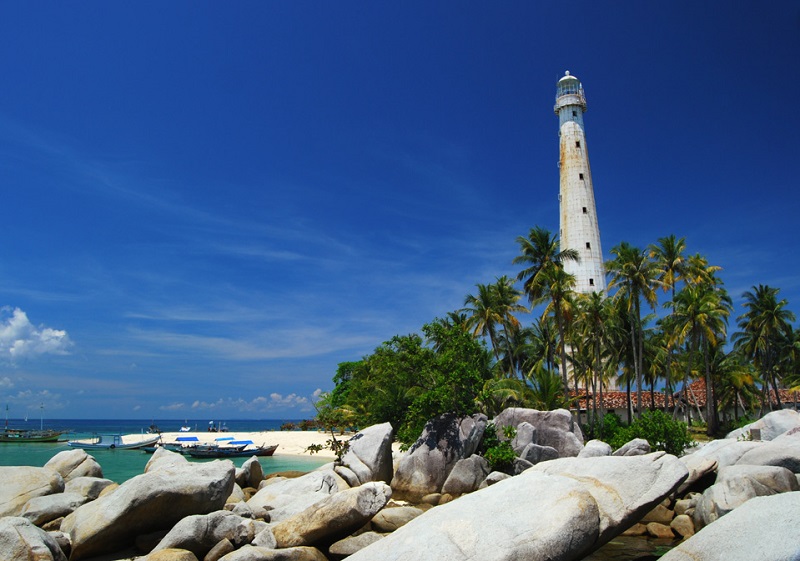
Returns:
point(121, 465)
point(630, 548)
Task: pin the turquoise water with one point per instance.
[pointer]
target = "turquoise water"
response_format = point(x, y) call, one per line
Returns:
point(121, 465)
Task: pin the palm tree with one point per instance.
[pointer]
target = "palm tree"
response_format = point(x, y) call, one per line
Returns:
point(668, 255)
point(762, 326)
point(490, 313)
point(539, 252)
point(700, 315)
point(593, 320)
point(635, 277)
point(543, 345)
point(558, 286)
point(501, 393)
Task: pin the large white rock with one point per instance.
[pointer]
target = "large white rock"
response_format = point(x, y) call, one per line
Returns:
point(288, 497)
point(558, 510)
point(163, 457)
point(724, 452)
point(445, 440)
point(369, 454)
point(333, 517)
point(19, 484)
point(466, 475)
point(74, 463)
point(556, 429)
point(625, 487)
point(146, 503)
point(89, 487)
point(41, 510)
point(20, 540)
point(770, 425)
point(533, 516)
point(738, 484)
point(783, 452)
point(763, 528)
point(255, 553)
point(200, 533)
point(595, 448)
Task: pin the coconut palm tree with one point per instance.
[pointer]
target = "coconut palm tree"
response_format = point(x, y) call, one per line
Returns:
point(636, 279)
point(762, 326)
point(491, 312)
point(671, 263)
point(539, 252)
point(557, 286)
point(700, 314)
point(592, 324)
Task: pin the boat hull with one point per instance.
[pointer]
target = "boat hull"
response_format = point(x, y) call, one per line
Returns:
point(222, 452)
point(115, 442)
point(25, 436)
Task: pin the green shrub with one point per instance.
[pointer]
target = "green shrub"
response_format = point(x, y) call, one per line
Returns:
point(498, 453)
point(659, 429)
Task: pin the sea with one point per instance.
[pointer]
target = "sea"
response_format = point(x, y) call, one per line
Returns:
point(121, 465)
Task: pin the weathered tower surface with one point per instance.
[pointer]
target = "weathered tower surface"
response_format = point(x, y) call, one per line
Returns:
point(579, 227)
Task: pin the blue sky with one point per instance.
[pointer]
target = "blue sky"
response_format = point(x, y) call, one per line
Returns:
point(207, 206)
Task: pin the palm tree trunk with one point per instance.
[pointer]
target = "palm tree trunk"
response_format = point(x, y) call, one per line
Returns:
point(711, 426)
point(564, 378)
point(639, 361)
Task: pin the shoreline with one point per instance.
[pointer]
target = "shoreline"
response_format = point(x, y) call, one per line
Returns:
point(290, 443)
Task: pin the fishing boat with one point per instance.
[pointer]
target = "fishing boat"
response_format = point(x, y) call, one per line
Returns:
point(112, 442)
point(232, 449)
point(30, 435)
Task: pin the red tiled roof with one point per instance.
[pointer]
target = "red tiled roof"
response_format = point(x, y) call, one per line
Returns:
point(616, 399)
point(697, 394)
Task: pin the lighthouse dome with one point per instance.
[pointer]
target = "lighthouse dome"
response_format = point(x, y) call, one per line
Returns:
point(568, 85)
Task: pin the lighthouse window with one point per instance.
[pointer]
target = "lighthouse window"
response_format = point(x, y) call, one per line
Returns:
point(574, 113)
point(591, 282)
point(585, 211)
point(588, 245)
point(577, 144)
point(580, 175)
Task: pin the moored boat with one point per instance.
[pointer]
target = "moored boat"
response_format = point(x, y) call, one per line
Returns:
point(30, 435)
point(112, 442)
point(233, 449)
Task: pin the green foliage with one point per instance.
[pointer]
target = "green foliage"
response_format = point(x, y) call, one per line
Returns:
point(547, 391)
point(658, 428)
point(409, 380)
point(497, 452)
point(338, 447)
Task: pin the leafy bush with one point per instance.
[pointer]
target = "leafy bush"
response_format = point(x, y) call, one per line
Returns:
point(498, 453)
point(658, 428)
point(605, 428)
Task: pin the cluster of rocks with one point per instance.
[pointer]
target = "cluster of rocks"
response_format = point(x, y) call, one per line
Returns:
point(560, 500)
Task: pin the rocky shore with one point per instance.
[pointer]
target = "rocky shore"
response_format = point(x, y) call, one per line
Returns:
point(735, 499)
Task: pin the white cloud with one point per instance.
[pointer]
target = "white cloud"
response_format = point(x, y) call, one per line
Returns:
point(5, 382)
point(259, 404)
point(172, 407)
point(19, 338)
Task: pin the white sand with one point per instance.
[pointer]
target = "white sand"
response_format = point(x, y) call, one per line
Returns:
point(293, 443)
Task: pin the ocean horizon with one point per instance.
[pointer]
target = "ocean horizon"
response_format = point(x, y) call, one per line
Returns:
point(121, 465)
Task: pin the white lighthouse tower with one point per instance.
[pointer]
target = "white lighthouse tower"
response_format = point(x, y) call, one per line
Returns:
point(579, 227)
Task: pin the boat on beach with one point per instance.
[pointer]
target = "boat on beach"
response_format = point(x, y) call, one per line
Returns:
point(233, 449)
point(112, 442)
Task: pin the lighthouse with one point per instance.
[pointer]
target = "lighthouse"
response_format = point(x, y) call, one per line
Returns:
point(579, 229)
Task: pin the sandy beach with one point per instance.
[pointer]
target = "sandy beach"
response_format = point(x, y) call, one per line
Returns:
point(293, 443)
